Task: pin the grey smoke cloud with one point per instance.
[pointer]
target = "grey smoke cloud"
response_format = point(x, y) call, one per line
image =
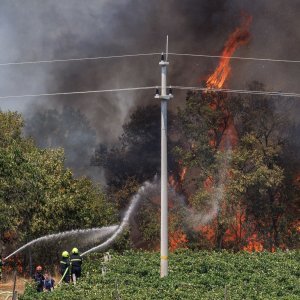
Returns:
point(34, 30)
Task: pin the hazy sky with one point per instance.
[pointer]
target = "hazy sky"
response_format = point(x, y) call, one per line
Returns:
point(58, 29)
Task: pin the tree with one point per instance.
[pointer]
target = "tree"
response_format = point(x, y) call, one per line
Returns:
point(133, 160)
point(137, 154)
point(237, 147)
point(203, 127)
point(264, 168)
point(38, 194)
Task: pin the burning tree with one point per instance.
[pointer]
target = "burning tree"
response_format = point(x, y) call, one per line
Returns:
point(233, 149)
point(230, 166)
point(261, 174)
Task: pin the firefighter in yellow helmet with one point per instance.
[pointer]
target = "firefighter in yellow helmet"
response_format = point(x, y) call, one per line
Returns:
point(76, 262)
point(65, 266)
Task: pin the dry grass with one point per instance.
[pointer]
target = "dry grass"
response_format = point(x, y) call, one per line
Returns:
point(8, 284)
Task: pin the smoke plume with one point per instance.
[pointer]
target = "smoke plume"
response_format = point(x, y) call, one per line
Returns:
point(58, 29)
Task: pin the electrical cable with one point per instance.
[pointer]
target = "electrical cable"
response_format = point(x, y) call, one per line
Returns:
point(191, 88)
point(147, 54)
point(77, 59)
point(236, 57)
point(79, 92)
point(267, 93)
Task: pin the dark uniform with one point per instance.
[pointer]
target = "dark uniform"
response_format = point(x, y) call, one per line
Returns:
point(39, 280)
point(64, 264)
point(76, 262)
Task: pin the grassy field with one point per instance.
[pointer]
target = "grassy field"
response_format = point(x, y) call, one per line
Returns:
point(193, 275)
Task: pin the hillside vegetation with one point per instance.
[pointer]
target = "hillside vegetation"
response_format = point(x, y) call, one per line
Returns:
point(193, 275)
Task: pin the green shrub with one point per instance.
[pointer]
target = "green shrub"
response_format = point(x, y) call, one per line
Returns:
point(192, 275)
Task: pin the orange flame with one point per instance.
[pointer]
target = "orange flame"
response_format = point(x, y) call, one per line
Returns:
point(177, 239)
point(177, 185)
point(182, 174)
point(239, 37)
point(254, 245)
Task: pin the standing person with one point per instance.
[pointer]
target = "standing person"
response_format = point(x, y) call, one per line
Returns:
point(39, 278)
point(65, 266)
point(48, 282)
point(76, 262)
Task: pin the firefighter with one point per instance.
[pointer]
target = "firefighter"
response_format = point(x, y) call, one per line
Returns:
point(65, 266)
point(39, 278)
point(76, 262)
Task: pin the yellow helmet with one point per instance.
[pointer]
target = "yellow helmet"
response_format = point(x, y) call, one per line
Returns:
point(65, 254)
point(75, 251)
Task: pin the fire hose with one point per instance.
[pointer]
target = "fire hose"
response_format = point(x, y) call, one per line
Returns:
point(67, 269)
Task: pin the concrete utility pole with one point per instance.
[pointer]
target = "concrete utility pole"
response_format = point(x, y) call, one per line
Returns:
point(164, 165)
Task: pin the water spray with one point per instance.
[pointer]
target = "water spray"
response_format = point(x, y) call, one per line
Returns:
point(146, 188)
point(193, 217)
point(102, 232)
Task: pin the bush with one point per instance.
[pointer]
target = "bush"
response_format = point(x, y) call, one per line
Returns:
point(192, 275)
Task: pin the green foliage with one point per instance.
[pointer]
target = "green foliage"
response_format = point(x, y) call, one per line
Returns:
point(38, 194)
point(192, 275)
point(255, 165)
point(257, 173)
point(198, 124)
point(123, 195)
point(137, 155)
point(148, 221)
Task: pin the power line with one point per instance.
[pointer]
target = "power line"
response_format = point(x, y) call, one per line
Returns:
point(267, 93)
point(236, 57)
point(79, 92)
point(145, 54)
point(77, 59)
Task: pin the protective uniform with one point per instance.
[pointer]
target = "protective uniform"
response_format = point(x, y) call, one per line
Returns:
point(76, 262)
point(39, 279)
point(65, 266)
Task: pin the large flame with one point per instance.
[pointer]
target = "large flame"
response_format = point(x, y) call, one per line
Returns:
point(217, 79)
point(239, 37)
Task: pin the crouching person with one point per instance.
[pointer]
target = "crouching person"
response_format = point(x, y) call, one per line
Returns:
point(48, 283)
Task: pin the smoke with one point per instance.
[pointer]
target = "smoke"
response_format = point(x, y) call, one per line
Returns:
point(34, 30)
point(146, 190)
point(195, 217)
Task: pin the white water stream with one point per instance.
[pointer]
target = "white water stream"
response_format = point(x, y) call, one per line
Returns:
point(101, 232)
